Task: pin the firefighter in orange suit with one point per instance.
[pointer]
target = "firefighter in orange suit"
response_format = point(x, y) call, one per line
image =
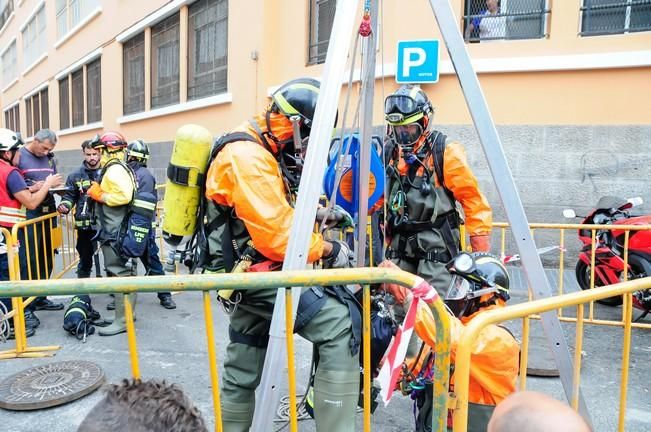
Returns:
point(427, 176)
point(495, 354)
point(250, 185)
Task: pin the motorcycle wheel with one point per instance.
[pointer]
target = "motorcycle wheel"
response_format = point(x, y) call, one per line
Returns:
point(583, 278)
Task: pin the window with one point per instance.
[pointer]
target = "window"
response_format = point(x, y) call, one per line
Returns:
point(80, 102)
point(12, 118)
point(37, 112)
point(165, 62)
point(6, 9)
point(9, 71)
point(322, 16)
point(77, 98)
point(133, 52)
point(207, 48)
point(64, 103)
point(34, 37)
point(94, 91)
point(599, 17)
point(71, 12)
point(487, 20)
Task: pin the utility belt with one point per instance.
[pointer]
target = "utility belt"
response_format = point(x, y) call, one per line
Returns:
point(310, 303)
point(408, 231)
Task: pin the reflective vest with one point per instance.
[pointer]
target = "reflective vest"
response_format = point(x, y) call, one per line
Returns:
point(11, 210)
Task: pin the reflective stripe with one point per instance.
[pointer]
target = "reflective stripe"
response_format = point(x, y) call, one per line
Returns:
point(285, 106)
point(138, 154)
point(408, 120)
point(144, 204)
point(14, 211)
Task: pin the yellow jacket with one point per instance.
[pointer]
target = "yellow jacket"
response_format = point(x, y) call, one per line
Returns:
point(117, 186)
point(246, 177)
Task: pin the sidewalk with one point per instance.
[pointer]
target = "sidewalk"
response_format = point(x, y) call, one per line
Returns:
point(172, 345)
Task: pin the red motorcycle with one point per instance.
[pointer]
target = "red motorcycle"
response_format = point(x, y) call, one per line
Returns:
point(609, 252)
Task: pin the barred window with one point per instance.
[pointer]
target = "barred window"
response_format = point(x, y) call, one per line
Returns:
point(165, 62)
point(77, 79)
point(34, 37)
point(487, 20)
point(6, 9)
point(64, 102)
point(207, 48)
point(600, 17)
point(12, 118)
point(133, 52)
point(322, 16)
point(94, 91)
point(36, 112)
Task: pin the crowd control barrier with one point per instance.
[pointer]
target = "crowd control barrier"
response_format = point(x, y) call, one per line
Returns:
point(256, 281)
point(562, 257)
point(527, 310)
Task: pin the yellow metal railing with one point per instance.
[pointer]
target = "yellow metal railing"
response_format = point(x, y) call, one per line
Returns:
point(562, 228)
point(254, 281)
point(525, 310)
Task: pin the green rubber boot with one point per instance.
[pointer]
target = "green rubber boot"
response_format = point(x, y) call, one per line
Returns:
point(237, 417)
point(335, 400)
point(119, 324)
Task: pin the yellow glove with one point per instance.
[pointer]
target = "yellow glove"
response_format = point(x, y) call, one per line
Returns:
point(96, 193)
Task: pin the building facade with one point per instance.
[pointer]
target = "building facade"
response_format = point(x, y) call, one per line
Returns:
point(567, 82)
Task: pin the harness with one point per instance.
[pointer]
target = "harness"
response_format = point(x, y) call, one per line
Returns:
point(399, 221)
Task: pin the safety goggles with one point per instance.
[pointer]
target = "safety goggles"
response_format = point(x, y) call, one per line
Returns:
point(401, 104)
point(461, 289)
point(407, 134)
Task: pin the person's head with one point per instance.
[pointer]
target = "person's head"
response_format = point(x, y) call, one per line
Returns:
point(408, 113)
point(144, 406)
point(479, 280)
point(92, 155)
point(111, 145)
point(44, 142)
point(492, 5)
point(292, 106)
point(10, 142)
point(137, 151)
point(535, 412)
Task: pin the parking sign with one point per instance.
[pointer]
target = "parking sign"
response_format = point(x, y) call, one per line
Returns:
point(418, 61)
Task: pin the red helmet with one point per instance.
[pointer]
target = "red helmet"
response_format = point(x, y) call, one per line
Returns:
point(112, 141)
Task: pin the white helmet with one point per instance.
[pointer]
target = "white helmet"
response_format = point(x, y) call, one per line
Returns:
point(9, 140)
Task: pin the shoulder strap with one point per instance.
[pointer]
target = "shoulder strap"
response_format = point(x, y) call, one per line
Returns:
point(438, 151)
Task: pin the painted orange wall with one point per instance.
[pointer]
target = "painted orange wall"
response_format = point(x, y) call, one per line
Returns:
point(277, 33)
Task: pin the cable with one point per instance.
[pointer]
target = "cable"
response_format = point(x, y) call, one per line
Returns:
point(5, 329)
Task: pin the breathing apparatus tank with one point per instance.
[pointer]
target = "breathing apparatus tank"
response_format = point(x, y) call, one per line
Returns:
point(185, 178)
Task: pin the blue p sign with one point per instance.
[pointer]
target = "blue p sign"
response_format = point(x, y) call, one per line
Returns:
point(418, 61)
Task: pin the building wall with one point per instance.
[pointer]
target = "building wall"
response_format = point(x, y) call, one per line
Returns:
point(569, 108)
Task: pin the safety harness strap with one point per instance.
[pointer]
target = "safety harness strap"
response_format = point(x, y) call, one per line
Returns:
point(257, 341)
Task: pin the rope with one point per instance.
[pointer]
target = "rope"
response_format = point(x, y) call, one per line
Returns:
point(282, 414)
point(4, 324)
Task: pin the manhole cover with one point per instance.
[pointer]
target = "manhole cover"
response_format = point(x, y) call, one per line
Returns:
point(50, 385)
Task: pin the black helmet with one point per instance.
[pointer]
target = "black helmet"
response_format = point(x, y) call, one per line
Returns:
point(476, 276)
point(297, 98)
point(405, 112)
point(137, 150)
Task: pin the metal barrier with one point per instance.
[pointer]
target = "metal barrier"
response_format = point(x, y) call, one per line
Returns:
point(35, 240)
point(593, 229)
point(526, 310)
point(256, 281)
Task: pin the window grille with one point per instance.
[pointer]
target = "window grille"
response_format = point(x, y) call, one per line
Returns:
point(489, 20)
point(322, 15)
point(165, 62)
point(601, 17)
point(133, 52)
point(207, 48)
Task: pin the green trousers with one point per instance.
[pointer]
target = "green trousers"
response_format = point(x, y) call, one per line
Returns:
point(336, 386)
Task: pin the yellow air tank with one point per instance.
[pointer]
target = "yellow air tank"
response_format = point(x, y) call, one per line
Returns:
point(185, 178)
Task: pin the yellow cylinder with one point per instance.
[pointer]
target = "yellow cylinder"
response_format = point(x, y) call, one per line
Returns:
point(185, 177)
